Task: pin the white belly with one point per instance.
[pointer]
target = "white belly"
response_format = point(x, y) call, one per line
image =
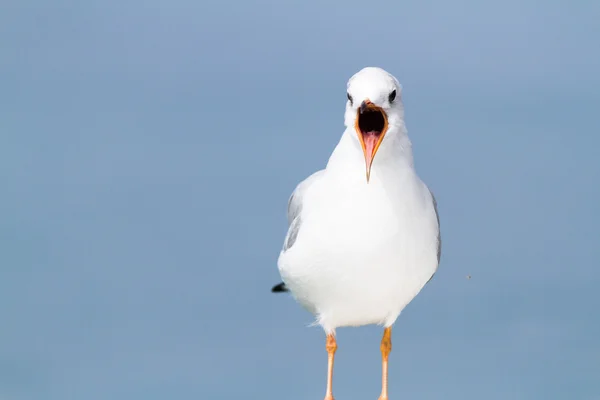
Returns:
point(362, 253)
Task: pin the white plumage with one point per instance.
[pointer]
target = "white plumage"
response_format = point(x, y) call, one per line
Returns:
point(359, 249)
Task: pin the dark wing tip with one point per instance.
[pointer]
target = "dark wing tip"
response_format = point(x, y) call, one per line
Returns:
point(279, 288)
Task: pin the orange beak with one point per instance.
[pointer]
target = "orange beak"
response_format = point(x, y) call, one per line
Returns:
point(371, 126)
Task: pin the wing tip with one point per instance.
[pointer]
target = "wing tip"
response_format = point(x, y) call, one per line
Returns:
point(280, 288)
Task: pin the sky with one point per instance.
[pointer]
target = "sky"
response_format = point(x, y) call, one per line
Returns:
point(148, 150)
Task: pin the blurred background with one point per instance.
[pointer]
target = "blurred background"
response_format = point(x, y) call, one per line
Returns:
point(148, 149)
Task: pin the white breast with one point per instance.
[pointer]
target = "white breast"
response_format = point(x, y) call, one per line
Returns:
point(363, 251)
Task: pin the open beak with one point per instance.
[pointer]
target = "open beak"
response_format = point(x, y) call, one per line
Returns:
point(371, 126)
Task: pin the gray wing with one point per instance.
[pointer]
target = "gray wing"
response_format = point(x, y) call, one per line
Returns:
point(294, 212)
point(439, 235)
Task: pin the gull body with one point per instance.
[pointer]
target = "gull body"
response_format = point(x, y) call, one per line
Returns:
point(358, 252)
point(363, 237)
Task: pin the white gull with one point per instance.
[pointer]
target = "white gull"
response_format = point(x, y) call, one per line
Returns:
point(364, 235)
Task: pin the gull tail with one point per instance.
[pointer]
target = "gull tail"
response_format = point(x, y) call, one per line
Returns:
point(280, 288)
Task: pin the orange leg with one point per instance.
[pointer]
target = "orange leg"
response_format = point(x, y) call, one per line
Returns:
point(386, 348)
point(331, 347)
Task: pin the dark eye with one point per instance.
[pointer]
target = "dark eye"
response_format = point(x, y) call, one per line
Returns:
point(349, 97)
point(392, 95)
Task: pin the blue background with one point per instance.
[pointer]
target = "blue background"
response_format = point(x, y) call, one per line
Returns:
point(148, 149)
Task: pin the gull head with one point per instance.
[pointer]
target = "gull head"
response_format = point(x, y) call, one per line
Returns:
point(374, 109)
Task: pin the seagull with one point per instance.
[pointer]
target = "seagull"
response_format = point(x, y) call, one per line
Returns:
point(363, 236)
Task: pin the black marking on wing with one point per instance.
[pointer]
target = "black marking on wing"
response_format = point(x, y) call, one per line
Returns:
point(280, 288)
